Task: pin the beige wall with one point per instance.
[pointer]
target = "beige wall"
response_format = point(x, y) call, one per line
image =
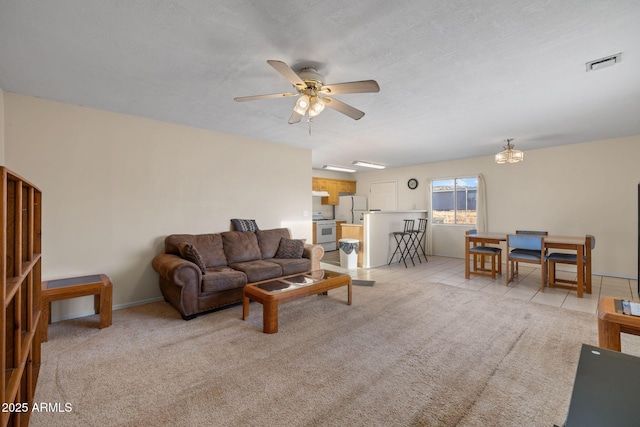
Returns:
point(573, 189)
point(114, 186)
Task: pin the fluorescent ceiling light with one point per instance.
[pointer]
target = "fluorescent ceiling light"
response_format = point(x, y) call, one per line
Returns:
point(368, 164)
point(338, 168)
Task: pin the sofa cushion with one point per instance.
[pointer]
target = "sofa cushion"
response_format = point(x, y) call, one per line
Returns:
point(190, 253)
point(292, 265)
point(258, 270)
point(244, 225)
point(221, 279)
point(290, 248)
point(269, 241)
point(208, 245)
point(240, 246)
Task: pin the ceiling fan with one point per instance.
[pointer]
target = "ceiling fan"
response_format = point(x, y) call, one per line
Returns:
point(309, 86)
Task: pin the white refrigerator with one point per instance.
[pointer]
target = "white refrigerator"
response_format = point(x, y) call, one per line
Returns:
point(351, 208)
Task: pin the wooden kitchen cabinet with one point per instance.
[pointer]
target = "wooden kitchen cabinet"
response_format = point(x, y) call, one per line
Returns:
point(333, 199)
point(346, 186)
point(319, 184)
point(334, 187)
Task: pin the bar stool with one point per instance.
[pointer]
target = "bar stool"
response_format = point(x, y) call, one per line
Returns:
point(418, 239)
point(403, 242)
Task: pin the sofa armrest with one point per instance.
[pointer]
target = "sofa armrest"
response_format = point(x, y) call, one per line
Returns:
point(314, 253)
point(177, 270)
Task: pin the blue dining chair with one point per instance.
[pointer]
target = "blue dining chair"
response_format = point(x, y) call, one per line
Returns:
point(571, 259)
point(532, 233)
point(527, 248)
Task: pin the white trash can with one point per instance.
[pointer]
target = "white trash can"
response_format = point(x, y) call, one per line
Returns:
point(349, 252)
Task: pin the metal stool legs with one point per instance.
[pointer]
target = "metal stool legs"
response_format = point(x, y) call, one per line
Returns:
point(417, 239)
point(404, 242)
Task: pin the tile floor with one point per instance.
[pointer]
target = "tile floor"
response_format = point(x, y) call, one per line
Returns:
point(450, 271)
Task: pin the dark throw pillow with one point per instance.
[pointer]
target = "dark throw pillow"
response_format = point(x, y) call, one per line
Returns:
point(244, 225)
point(290, 248)
point(190, 253)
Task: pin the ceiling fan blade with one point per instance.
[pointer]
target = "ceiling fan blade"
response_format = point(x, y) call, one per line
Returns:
point(364, 86)
point(269, 96)
point(295, 117)
point(343, 108)
point(287, 72)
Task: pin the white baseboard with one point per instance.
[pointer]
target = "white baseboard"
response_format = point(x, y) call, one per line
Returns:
point(115, 307)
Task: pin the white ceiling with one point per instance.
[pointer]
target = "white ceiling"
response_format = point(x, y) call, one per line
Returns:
point(457, 77)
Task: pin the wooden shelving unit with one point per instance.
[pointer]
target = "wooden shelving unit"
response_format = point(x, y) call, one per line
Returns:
point(20, 277)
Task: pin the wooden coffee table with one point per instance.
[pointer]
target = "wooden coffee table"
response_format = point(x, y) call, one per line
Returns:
point(271, 293)
point(611, 323)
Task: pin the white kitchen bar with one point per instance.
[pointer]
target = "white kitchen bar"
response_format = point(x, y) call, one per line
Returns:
point(378, 227)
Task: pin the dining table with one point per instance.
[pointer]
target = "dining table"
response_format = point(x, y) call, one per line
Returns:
point(575, 244)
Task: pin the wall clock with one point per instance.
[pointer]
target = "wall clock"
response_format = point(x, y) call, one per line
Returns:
point(413, 183)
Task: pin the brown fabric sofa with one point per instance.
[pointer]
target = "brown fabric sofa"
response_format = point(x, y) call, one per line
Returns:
point(229, 261)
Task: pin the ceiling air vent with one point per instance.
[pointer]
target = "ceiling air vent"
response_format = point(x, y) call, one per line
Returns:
point(604, 62)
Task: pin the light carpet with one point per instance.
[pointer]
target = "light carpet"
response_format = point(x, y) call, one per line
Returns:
point(403, 354)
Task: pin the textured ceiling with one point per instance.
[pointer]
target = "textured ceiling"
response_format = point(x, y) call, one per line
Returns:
point(457, 77)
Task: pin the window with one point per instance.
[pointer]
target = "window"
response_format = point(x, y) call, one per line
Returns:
point(454, 200)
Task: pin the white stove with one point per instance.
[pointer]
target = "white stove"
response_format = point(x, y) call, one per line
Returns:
point(325, 231)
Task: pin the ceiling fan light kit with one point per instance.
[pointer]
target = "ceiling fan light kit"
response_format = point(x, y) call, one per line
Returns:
point(301, 104)
point(509, 154)
point(316, 106)
point(309, 85)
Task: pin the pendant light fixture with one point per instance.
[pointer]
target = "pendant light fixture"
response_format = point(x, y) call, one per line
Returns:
point(509, 154)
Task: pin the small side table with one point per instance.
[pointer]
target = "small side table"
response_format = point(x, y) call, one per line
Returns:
point(98, 285)
point(611, 323)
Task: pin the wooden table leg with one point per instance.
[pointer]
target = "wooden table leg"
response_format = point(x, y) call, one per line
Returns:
point(588, 269)
point(245, 307)
point(44, 320)
point(103, 301)
point(580, 267)
point(609, 335)
point(467, 274)
point(270, 317)
point(349, 293)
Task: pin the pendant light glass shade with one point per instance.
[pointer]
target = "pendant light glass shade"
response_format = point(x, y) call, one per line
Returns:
point(316, 106)
point(302, 104)
point(509, 154)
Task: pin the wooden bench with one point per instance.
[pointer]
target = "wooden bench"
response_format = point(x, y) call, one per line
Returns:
point(98, 285)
